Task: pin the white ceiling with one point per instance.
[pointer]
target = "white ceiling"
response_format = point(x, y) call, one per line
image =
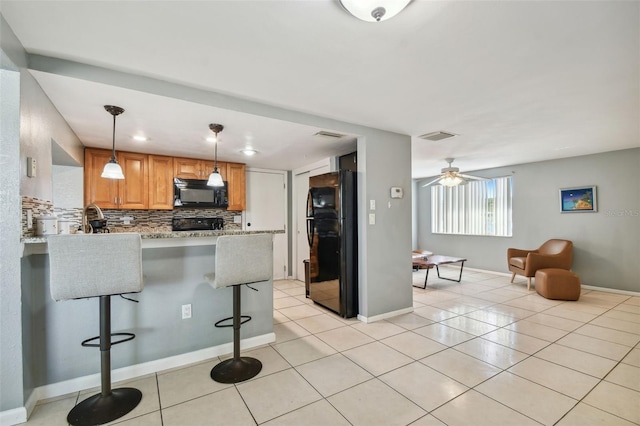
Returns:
point(519, 81)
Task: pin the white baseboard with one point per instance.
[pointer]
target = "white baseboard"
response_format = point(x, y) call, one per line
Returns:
point(13, 417)
point(20, 415)
point(585, 286)
point(385, 315)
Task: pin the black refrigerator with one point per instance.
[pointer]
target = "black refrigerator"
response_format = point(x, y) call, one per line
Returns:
point(332, 232)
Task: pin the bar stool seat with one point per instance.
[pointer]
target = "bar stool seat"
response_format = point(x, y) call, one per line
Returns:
point(98, 265)
point(239, 260)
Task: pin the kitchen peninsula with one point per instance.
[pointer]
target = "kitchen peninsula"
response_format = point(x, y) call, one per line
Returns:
point(174, 264)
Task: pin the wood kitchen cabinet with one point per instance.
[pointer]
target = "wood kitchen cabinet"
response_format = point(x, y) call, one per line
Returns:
point(192, 168)
point(237, 175)
point(128, 193)
point(160, 182)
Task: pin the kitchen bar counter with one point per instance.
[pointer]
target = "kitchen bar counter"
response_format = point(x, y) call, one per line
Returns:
point(174, 265)
point(154, 239)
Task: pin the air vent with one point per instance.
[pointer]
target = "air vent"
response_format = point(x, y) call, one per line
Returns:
point(329, 134)
point(437, 136)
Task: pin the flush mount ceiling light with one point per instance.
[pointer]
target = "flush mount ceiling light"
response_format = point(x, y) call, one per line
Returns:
point(374, 10)
point(215, 178)
point(112, 169)
point(249, 152)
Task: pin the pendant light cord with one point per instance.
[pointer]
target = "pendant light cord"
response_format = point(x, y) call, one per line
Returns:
point(113, 144)
point(215, 163)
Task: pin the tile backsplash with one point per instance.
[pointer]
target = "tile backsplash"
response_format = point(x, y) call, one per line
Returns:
point(141, 220)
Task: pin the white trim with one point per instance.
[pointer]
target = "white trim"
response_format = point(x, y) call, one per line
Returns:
point(611, 290)
point(586, 287)
point(19, 415)
point(13, 417)
point(385, 315)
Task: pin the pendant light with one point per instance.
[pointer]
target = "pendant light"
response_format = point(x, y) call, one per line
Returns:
point(215, 178)
point(112, 169)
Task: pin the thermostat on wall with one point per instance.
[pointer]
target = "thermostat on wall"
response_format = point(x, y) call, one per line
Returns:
point(396, 192)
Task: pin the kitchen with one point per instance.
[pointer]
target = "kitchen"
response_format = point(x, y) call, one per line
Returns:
point(46, 136)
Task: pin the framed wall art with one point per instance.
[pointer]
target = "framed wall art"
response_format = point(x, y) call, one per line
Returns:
point(580, 199)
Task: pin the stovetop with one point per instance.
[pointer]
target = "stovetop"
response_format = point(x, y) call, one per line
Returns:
point(197, 223)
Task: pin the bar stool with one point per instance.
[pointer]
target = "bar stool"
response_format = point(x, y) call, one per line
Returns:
point(241, 259)
point(98, 265)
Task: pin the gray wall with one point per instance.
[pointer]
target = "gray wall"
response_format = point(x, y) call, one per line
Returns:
point(11, 383)
point(606, 243)
point(172, 277)
point(385, 271)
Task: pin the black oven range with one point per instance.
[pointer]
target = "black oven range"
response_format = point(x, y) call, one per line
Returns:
point(197, 224)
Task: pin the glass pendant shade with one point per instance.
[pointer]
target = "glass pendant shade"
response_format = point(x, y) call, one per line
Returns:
point(374, 10)
point(215, 179)
point(112, 170)
point(451, 181)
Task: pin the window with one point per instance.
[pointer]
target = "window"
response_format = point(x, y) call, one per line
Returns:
point(477, 208)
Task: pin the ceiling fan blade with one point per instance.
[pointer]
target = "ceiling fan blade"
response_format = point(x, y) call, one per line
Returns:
point(472, 177)
point(432, 182)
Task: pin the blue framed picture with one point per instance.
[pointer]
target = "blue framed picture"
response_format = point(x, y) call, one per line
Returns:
point(581, 199)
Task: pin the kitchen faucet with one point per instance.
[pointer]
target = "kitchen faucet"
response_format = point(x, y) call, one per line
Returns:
point(86, 227)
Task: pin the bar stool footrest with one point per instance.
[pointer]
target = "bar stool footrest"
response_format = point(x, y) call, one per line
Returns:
point(245, 318)
point(100, 409)
point(129, 336)
point(236, 370)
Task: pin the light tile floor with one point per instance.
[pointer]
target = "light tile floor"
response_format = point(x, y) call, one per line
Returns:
point(482, 352)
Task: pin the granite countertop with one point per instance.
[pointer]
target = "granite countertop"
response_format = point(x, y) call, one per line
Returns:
point(150, 234)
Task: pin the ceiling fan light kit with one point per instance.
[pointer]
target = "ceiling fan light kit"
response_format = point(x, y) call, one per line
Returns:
point(451, 176)
point(374, 10)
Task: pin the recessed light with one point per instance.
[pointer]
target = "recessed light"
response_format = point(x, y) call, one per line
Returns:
point(140, 138)
point(249, 151)
point(211, 139)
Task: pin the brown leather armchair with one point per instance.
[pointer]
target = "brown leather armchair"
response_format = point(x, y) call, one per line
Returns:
point(551, 254)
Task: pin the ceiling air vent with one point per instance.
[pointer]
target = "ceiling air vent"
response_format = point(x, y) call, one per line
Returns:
point(329, 134)
point(437, 136)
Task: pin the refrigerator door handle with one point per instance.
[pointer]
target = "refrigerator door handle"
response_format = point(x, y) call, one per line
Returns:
point(310, 231)
point(310, 208)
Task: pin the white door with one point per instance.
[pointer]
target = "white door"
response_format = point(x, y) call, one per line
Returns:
point(300, 210)
point(266, 211)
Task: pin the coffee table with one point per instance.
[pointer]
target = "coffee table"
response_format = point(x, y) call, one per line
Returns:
point(436, 260)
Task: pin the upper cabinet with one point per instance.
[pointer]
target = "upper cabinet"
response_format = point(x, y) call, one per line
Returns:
point(128, 193)
point(237, 178)
point(160, 182)
point(148, 182)
point(191, 168)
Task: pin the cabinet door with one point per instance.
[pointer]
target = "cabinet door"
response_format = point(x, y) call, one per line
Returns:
point(98, 190)
point(134, 189)
point(237, 178)
point(188, 168)
point(208, 167)
point(160, 182)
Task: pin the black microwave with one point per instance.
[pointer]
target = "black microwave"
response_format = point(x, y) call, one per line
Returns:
point(196, 193)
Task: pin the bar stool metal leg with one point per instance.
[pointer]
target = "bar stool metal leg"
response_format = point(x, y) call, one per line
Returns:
point(109, 404)
point(237, 369)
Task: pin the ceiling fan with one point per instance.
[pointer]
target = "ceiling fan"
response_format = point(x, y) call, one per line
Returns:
point(451, 176)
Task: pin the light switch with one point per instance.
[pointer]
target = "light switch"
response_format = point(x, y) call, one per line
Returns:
point(372, 204)
point(31, 167)
point(372, 218)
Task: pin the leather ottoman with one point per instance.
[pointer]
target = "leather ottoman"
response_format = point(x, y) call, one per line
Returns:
point(557, 284)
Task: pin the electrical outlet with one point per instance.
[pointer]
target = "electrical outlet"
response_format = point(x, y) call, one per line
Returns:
point(29, 219)
point(186, 311)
